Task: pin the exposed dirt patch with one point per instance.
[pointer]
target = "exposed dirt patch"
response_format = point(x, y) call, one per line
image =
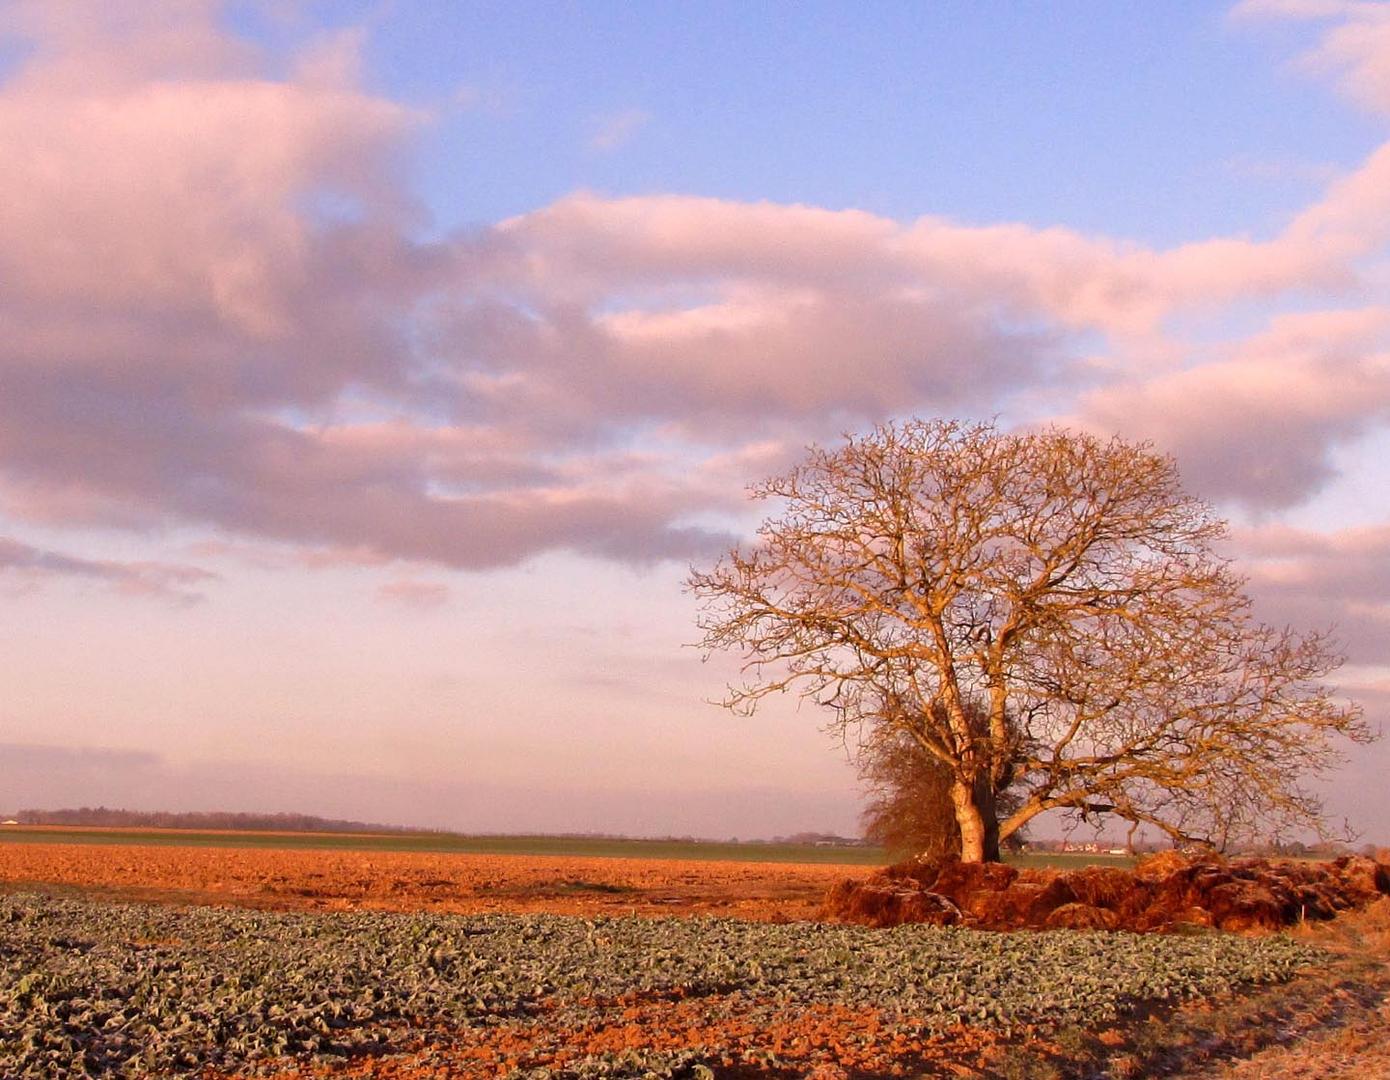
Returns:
point(1165, 892)
point(829, 1042)
point(410, 881)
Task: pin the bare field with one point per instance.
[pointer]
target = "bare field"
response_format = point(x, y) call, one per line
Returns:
point(408, 881)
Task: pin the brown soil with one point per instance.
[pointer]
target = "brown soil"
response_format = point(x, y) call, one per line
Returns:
point(828, 1042)
point(399, 881)
point(1164, 892)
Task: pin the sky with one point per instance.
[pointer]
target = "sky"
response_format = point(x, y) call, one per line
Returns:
point(371, 373)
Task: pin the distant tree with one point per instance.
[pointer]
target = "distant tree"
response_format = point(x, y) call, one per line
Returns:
point(104, 817)
point(909, 810)
point(933, 567)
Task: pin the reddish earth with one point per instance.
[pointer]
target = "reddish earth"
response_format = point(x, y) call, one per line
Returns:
point(1163, 892)
point(826, 1042)
point(398, 881)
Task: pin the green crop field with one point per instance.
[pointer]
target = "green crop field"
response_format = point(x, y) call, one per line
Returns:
point(454, 842)
point(600, 847)
point(102, 989)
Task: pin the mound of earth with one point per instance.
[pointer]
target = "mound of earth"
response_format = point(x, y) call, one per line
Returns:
point(1166, 891)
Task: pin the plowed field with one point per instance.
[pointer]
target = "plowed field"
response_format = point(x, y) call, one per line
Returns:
point(407, 881)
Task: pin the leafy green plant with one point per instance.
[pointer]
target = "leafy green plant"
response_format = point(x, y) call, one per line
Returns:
point(113, 989)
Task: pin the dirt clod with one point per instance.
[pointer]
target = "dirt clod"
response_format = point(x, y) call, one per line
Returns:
point(1167, 891)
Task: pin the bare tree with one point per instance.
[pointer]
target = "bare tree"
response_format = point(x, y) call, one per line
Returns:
point(1067, 588)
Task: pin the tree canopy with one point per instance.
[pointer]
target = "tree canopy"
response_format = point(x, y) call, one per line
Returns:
point(1043, 613)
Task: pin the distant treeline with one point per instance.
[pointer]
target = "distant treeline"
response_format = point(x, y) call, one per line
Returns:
point(821, 839)
point(101, 816)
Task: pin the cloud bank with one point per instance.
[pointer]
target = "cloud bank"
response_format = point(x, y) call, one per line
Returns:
point(24, 566)
point(224, 312)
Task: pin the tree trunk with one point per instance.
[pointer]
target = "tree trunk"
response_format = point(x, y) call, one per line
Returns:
point(978, 820)
point(989, 816)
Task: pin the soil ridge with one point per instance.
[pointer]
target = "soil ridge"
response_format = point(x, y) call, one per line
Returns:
point(1164, 892)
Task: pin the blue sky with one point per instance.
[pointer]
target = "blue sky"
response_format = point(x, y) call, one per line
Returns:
point(1164, 126)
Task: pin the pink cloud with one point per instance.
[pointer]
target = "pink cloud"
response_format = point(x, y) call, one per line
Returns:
point(414, 594)
point(1347, 565)
point(617, 129)
point(172, 295)
point(28, 566)
point(701, 276)
point(194, 336)
point(118, 43)
point(1312, 579)
point(1258, 423)
point(1355, 48)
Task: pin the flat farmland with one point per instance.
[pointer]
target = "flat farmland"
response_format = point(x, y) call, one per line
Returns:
point(220, 962)
point(443, 843)
point(464, 883)
point(374, 872)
